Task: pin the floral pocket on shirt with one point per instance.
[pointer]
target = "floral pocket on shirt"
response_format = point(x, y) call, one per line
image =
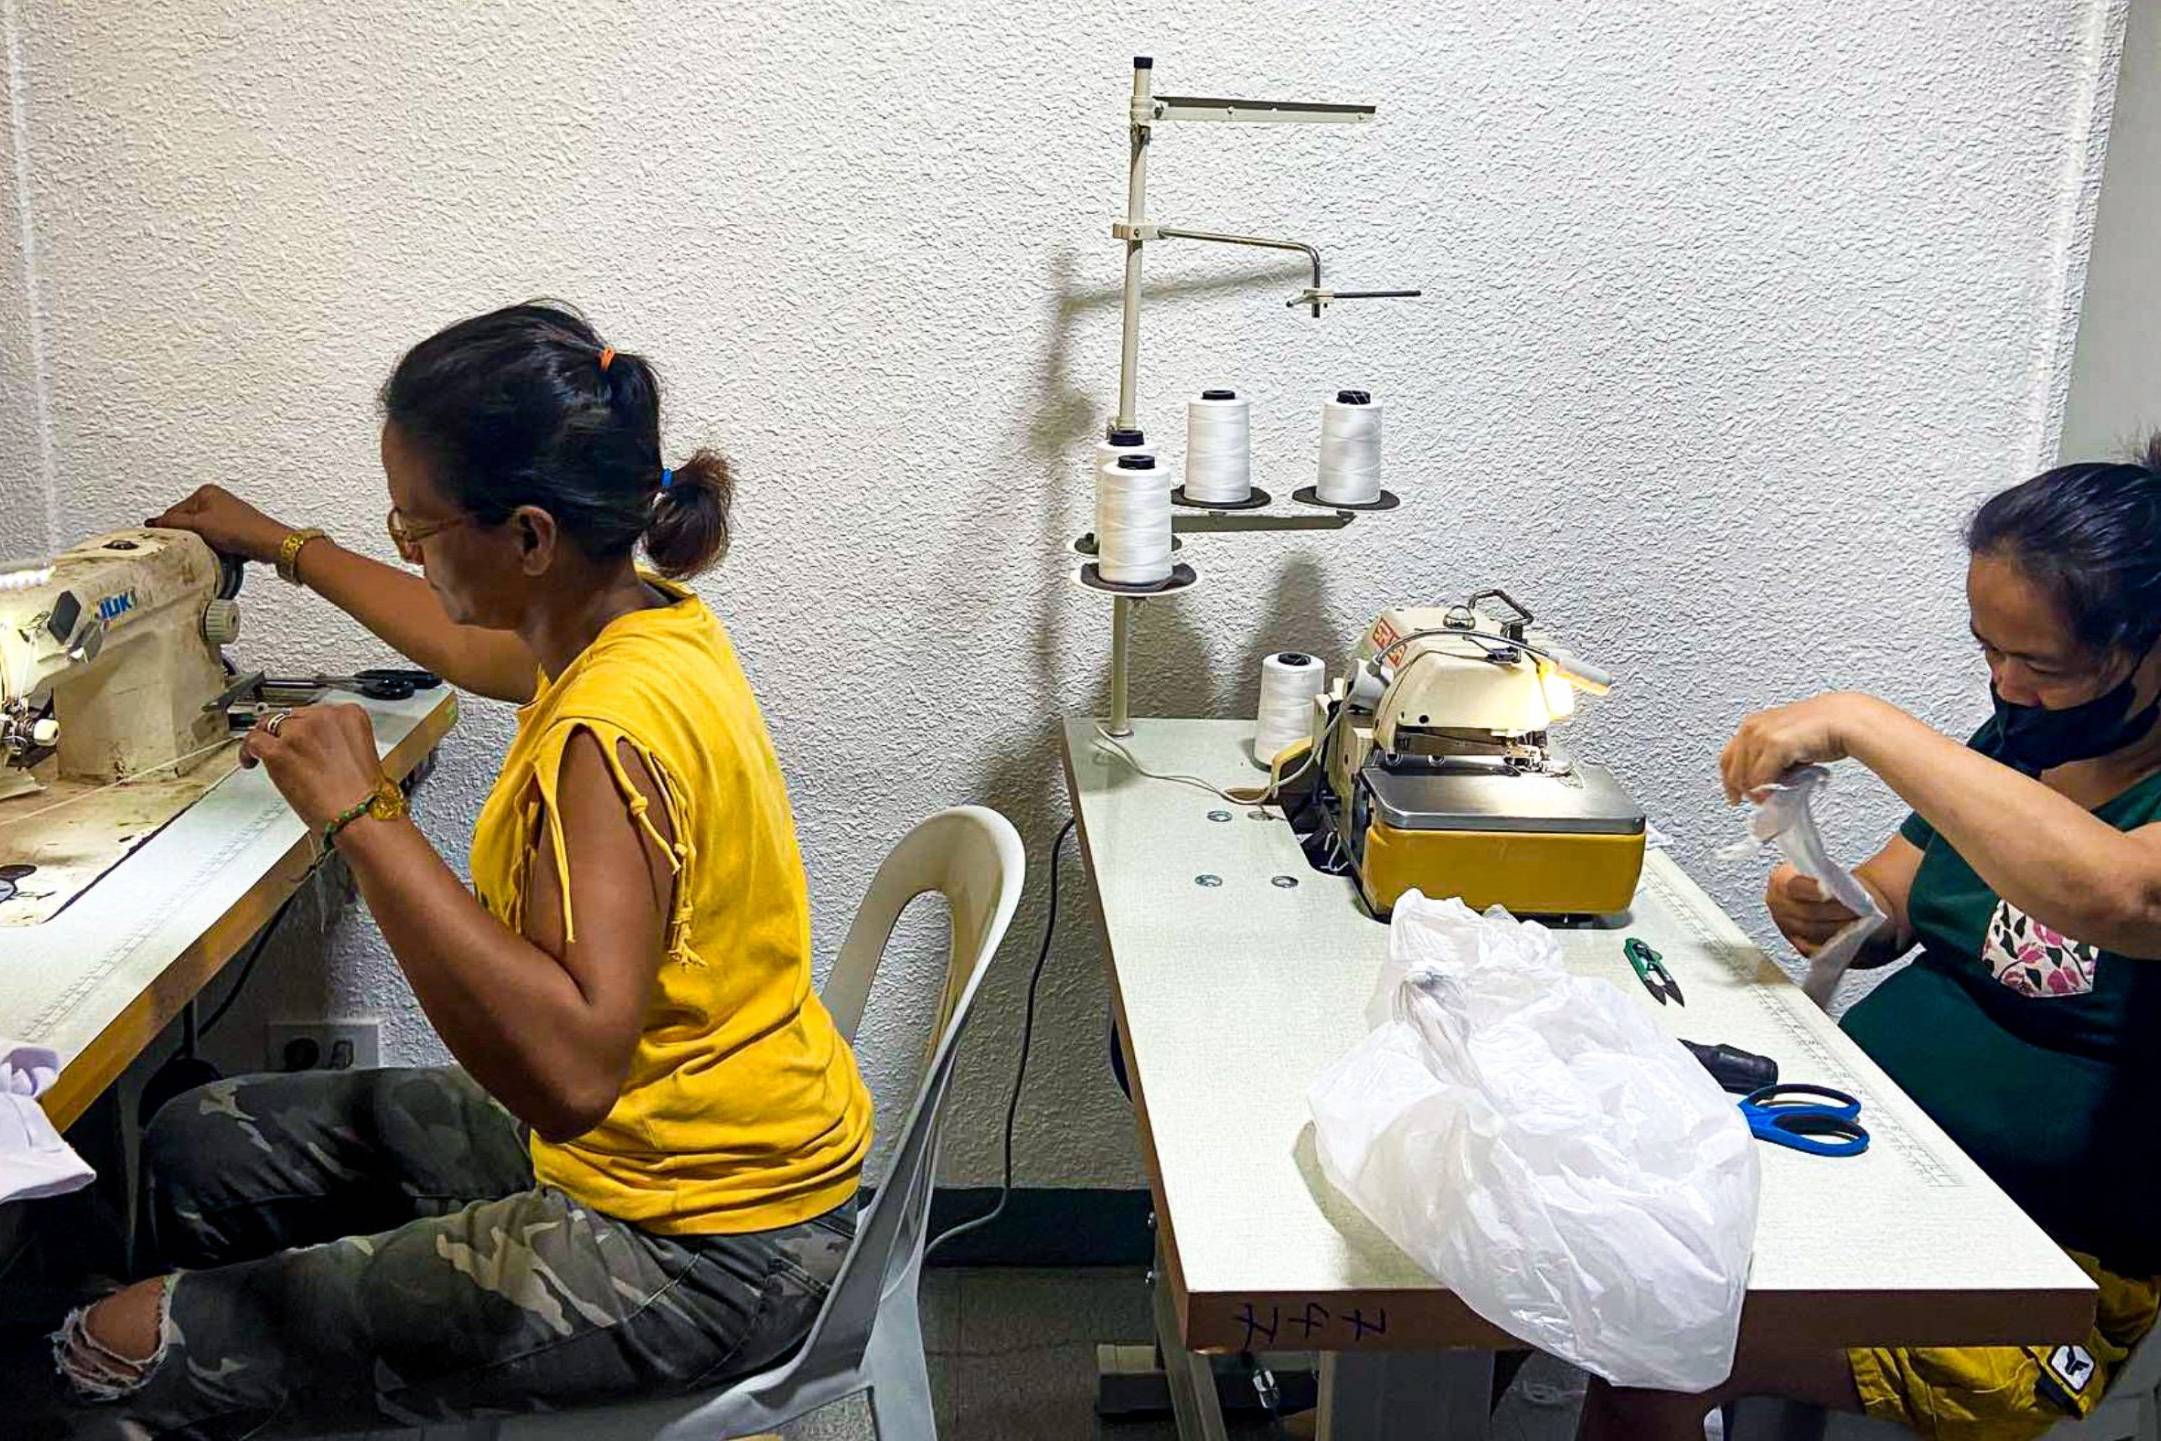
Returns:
point(2034, 960)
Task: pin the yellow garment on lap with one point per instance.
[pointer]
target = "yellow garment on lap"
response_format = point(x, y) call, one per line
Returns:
point(2007, 1393)
point(743, 1110)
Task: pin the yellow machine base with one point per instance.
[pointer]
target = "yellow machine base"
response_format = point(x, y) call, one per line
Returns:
point(1532, 873)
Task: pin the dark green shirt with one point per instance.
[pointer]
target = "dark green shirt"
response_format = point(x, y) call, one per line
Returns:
point(2038, 1053)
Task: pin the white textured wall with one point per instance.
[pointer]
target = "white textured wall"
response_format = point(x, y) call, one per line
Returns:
point(24, 511)
point(2115, 395)
point(1733, 310)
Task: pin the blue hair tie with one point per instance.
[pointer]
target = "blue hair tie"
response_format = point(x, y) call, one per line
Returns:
point(667, 477)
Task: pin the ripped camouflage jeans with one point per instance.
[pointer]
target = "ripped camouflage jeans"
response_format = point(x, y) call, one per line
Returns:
point(367, 1249)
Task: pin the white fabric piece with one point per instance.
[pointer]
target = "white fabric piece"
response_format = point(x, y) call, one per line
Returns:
point(1786, 818)
point(1540, 1146)
point(34, 1160)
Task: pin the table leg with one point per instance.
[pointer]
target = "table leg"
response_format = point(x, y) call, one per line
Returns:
point(1405, 1395)
point(1191, 1377)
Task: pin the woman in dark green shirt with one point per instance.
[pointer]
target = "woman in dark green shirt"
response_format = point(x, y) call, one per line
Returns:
point(2029, 878)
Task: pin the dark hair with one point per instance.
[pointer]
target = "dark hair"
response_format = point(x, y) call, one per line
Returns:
point(2089, 534)
point(528, 406)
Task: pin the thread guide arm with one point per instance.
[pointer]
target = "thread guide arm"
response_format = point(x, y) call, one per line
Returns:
point(1145, 111)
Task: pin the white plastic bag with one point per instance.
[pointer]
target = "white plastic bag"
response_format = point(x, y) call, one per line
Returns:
point(1786, 818)
point(1543, 1149)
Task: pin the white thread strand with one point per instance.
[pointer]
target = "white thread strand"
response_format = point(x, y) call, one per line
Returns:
point(1350, 472)
point(1133, 523)
point(179, 760)
point(1289, 682)
point(1219, 448)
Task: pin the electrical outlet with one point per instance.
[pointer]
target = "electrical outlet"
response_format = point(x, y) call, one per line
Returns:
point(322, 1045)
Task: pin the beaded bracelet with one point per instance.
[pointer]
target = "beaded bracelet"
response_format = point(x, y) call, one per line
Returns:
point(343, 819)
point(385, 802)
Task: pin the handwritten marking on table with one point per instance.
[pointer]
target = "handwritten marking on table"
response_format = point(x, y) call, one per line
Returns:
point(1255, 1327)
point(1310, 1326)
point(1316, 1316)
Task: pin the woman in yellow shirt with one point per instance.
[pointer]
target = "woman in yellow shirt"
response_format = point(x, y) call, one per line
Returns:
point(640, 1177)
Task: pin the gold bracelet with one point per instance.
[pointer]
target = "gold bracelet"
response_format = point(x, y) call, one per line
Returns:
point(289, 553)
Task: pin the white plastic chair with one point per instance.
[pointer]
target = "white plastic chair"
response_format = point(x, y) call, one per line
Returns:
point(868, 1335)
point(2131, 1411)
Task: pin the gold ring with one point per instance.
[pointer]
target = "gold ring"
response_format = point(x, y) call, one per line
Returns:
point(276, 719)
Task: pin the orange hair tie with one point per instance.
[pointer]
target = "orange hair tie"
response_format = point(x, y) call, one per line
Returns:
point(607, 353)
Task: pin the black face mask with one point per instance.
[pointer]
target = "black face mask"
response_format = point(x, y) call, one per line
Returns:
point(2033, 738)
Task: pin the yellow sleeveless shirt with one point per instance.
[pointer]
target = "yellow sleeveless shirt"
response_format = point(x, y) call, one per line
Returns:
point(743, 1110)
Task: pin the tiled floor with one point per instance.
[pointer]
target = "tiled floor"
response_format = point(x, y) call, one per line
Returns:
point(1013, 1356)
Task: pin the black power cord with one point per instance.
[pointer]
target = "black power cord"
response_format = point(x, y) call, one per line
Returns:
point(1020, 1071)
point(255, 953)
point(186, 1069)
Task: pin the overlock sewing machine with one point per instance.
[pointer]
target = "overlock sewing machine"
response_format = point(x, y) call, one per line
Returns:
point(110, 658)
point(1439, 771)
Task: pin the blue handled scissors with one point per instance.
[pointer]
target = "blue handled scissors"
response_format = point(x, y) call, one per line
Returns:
point(1815, 1119)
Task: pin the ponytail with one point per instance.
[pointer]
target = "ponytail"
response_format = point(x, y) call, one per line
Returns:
point(689, 528)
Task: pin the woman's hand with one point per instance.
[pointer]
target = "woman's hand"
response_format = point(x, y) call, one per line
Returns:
point(228, 523)
point(1803, 912)
point(322, 759)
point(1773, 742)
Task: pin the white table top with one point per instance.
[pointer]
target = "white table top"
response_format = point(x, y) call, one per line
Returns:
point(99, 980)
point(1232, 997)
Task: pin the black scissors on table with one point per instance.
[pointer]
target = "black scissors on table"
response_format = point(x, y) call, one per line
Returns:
point(380, 684)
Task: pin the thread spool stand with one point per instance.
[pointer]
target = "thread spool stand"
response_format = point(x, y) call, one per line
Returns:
point(1254, 501)
point(1311, 495)
point(1182, 577)
point(1146, 111)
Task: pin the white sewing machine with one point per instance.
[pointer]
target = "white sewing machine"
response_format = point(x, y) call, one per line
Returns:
point(1442, 775)
point(110, 671)
point(109, 656)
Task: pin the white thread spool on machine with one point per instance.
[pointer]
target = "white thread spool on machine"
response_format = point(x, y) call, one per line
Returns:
point(1289, 681)
point(1350, 460)
point(1133, 541)
point(1219, 454)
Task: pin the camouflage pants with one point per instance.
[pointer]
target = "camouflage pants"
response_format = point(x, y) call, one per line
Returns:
point(367, 1249)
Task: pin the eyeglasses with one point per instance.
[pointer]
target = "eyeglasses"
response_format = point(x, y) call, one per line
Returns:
point(407, 537)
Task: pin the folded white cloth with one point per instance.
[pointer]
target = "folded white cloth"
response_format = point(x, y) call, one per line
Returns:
point(34, 1160)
